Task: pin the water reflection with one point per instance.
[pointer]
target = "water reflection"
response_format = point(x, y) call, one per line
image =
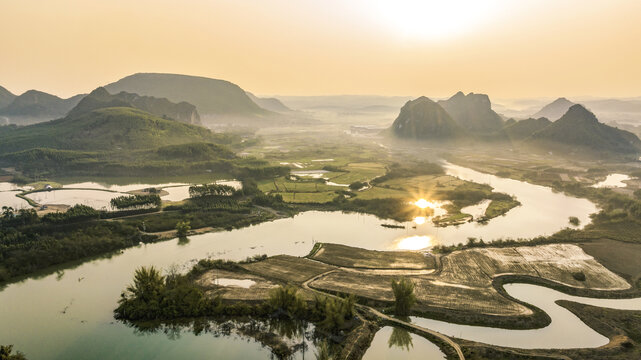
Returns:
point(416, 242)
point(284, 338)
point(401, 339)
point(392, 343)
point(420, 220)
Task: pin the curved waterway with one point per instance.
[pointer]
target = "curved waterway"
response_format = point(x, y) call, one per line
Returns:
point(564, 332)
point(69, 314)
point(391, 343)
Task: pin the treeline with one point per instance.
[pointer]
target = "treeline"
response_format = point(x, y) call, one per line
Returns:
point(210, 190)
point(29, 243)
point(134, 201)
point(153, 296)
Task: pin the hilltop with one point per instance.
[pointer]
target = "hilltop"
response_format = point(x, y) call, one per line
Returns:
point(555, 109)
point(210, 96)
point(36, 106)
point(100, 98)
point(6, 97)
point(579, 128)
point(422, 118)
point(473, 112)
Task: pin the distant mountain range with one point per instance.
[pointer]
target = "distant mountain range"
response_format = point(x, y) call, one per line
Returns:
point(35, 106)
point(271, 104)
point(555, 109)
point(100, 98)
point(579, 128)
point(576, 130)
point(424, 119)
point(210, 96)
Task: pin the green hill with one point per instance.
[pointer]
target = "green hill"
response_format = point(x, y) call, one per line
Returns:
point(100, 98)
point(473, 112)
point(579, 129)
point(422, 118)
point(39, 105)
point(210, 96)
point(6, 97)
point(104, 129)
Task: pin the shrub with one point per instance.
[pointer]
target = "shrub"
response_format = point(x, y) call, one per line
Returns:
point(404, 296)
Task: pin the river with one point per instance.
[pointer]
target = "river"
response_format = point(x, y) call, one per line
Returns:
point(68, 314)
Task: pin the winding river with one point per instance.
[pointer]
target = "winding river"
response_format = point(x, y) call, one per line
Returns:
point(68, 314)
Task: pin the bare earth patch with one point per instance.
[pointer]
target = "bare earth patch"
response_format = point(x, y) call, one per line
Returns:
point(288, 268)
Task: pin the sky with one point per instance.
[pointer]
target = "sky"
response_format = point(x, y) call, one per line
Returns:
point(505, 48)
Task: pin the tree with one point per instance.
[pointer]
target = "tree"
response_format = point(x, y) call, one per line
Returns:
point(5, 353)
point(404, 294)
point(182, 229)
point(143, 298)
point(400, 338)
point(287, 300)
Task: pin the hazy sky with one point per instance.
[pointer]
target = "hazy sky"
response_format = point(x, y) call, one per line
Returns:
point(506, 48)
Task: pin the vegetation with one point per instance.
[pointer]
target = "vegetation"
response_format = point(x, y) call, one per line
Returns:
point(403, 290)
point(210, 190)
point(29, 243)
point(357, 185)
point(6, 353)
point(182, 229)
point(574, 220)
point(154, 296)
point(135, 201)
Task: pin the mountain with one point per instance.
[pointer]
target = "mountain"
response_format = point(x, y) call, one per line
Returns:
point(104, 129)
point(579, 128)
point(271, 104)
point(36, 106)
point(473, 112)
point(6, 97)
point(210, 96)
point(424, 119)
point(555, 109)
point(523, 129)
point(100, 98)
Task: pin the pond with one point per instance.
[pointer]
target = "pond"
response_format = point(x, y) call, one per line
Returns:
point(613, 181)
point(97, 199)
point(9, 198)
point(69, 314)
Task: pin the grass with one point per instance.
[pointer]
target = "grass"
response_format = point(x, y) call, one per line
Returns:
point(304, 197)
point(346, 256)
point(500, 207)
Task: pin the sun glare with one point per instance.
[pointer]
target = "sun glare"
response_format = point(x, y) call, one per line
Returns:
point(419, 220)
point(422, 203)
point(417, 242)
point(435, 19)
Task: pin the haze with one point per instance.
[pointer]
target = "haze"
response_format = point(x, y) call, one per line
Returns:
point(503, 48)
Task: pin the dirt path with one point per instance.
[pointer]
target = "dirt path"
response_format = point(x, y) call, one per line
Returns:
point(414, 327)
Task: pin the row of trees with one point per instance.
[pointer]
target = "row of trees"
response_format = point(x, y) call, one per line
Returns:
point(196, 191)
point(135, 201)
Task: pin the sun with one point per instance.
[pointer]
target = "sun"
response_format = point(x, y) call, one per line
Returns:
point(435, 19)
point(422, 203)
